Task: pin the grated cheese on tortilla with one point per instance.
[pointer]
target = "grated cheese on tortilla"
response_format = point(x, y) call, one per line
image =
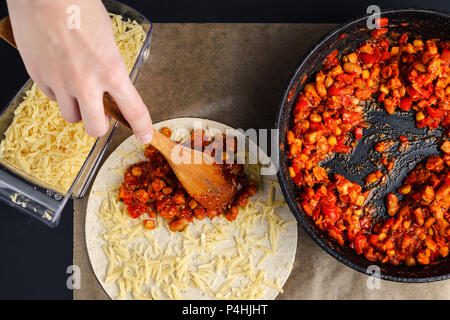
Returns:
point(218, 258)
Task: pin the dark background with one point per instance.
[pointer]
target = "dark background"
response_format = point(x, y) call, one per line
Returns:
point(34, 258)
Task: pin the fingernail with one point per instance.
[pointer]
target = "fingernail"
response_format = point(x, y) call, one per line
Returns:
point(146, 138)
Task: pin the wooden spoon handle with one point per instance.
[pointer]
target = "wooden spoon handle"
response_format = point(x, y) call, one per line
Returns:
point(112, 110)
point(159, 141)
point(6, 32)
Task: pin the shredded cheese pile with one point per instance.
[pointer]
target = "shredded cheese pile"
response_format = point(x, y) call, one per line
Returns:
point(41, 143)
point(129, 37)
point(221, 259)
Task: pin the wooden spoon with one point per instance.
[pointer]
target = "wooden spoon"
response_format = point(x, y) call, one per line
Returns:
point(201, 177)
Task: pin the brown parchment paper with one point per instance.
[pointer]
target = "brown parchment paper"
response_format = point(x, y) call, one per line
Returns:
point(235, 74)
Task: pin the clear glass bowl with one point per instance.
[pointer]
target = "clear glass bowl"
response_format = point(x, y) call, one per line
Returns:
point(35, 197)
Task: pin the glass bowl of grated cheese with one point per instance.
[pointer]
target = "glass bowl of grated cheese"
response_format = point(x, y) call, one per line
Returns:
point(44, 160)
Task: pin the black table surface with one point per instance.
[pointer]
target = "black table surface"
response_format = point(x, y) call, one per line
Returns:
point(34, 258)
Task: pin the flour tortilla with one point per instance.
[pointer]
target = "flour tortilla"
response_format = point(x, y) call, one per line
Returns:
point(129, 152)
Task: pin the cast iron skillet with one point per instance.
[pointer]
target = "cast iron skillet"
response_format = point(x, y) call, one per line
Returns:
point(355, 167)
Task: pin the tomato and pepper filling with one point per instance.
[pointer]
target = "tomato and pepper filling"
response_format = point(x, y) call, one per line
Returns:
point(328, 117)
point(151, 188)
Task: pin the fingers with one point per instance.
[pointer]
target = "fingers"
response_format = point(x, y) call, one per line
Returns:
point(92, 113)
point(46, 90)
point(68, 104)
point(70, 110)
point(133, 109)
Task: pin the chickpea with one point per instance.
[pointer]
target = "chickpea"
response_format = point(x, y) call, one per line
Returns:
point(409, 48)
point(432, 47)
point(321, 90)
point(193, 204)
point(305, 125)
point(311, 89)
point(200, 213)
point(446, 146)
point(374, 176)
point(157, 185)
point(419, 67)
point(337, 131)
point(319, 173)
point(290, 137)
point(386, 72)
point(384, 89)
point(336, 71)
point(418, 43)
point(352, 57)
point(428, 194)
point(430, 244)
point(178, 224)
point(420, 116)
point(242, 199)
point(166, 131)
point(179, 198)
point(136, 171)
point(395, 50)
point(252, 188)
point(332, 141)
point(419, 216)
point(328, 82)
point(443, 251)
point(168, 212)
point(141, 195)
point(291, 172)
point(352, 67)
point(149, 224)
point(405, 189)
point(312, 137)
point(124, 194)
point(365, 74)
point(406, 224)
point(167, 190)
point(390, 252)
point(314, 117)
point(366, 48)
point(360, 200)
point(437, 211)
point(429, 222)
point(294, 149)
point(232, 213)
point(392, 204)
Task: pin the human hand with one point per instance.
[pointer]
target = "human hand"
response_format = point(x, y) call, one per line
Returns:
point(77, 66)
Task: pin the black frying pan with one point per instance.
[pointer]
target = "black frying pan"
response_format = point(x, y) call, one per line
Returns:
point(421, 23)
